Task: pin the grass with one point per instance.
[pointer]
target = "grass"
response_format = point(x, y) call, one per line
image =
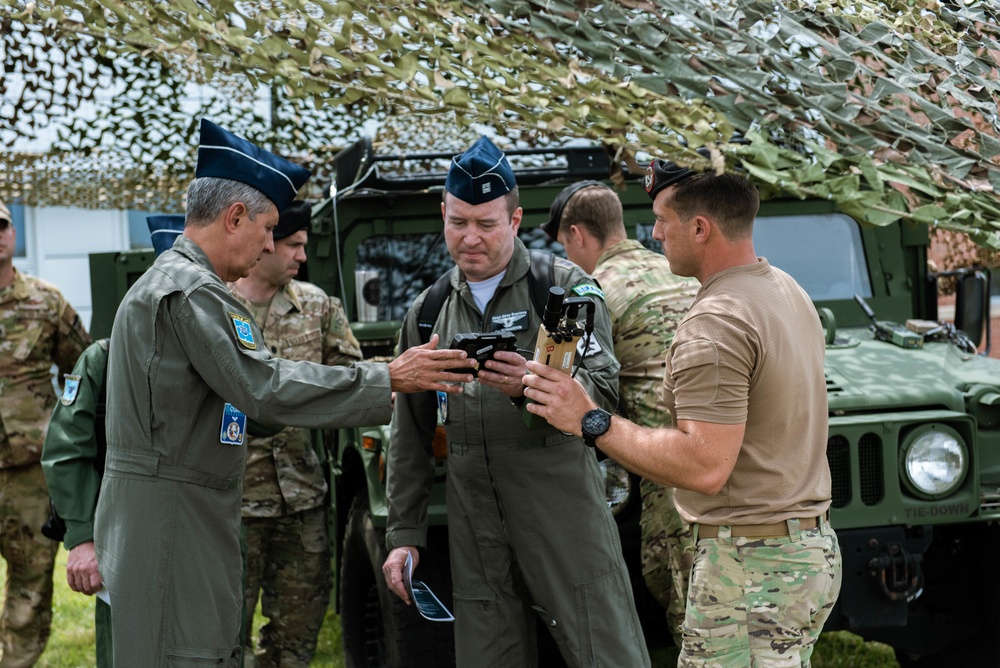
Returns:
point(72, 641)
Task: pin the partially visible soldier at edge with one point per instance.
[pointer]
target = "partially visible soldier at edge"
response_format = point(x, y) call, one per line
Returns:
point(38, 329)
point(187, 368)
point(73, 460)
point(284, 489)
point(645, 301)
point(747, 453)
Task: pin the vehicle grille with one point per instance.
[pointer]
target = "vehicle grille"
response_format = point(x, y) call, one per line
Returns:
point(872, 478)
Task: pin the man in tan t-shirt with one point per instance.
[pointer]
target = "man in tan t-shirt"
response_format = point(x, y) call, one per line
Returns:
point(745, 383)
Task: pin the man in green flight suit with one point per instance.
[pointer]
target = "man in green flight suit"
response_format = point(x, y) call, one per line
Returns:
point(530, 534)
point(187, 368)
point(646, 302)
point(73, 460)
point(284, 490)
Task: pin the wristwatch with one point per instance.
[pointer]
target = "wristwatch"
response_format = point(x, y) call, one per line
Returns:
point(595, 423)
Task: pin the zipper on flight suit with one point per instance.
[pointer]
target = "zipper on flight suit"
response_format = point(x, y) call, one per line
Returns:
point(486, 452)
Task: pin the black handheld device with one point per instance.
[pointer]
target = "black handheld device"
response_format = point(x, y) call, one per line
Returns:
point(482, 346)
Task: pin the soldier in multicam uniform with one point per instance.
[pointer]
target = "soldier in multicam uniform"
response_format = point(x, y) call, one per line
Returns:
point(747, 457)
point(38, 328)
point(646, 301)
point(284, 490)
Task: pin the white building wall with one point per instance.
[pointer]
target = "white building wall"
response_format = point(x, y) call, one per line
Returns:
point(58, 242)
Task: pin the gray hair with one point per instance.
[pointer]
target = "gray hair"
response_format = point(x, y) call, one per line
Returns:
point(209, 196)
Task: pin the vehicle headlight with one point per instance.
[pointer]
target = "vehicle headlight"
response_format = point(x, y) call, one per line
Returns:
point(617, 485)
point(935, 461)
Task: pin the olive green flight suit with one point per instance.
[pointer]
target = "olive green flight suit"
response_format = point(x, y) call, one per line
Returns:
point(69, 459)
point(529, 529)
point(168, 518)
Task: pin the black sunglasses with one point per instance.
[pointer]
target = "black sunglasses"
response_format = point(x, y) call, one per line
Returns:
point(4, 224)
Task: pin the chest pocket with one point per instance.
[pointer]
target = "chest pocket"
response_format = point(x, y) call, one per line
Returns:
point(27, 333)
point(306, 345)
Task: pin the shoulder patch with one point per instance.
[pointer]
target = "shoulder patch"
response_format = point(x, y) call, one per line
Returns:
point(71, 387)
point(244, 332)
point(588, 289)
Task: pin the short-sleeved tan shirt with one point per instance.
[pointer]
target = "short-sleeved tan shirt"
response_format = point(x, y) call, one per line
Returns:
point(751, 350)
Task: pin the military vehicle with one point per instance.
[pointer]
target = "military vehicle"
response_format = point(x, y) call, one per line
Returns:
point(914, 437)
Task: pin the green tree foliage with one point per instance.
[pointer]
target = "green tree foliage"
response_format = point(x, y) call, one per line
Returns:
point(889, 108)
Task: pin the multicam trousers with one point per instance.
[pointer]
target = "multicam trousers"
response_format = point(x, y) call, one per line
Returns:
point(30, 557)
point(760, 602)
point(288, 563)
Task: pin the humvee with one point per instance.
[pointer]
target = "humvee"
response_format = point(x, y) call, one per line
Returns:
point(914, 436)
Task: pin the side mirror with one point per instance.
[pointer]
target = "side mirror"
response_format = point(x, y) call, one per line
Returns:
point(972, 305)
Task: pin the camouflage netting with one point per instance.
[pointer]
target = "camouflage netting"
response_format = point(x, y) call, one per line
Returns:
point(888, 108)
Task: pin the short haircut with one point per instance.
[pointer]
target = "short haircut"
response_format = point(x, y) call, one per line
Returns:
point(596, 208)
point(729, 199)
point(209, 196)
point(511, 198)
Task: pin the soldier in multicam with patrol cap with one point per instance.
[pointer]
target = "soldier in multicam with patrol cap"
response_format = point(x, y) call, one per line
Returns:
point(646, 302)
point(284, 490)
point(187, 369)
point(745, 383)
point(530, 533)
point(38, 329)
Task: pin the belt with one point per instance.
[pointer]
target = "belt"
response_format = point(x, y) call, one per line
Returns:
point(776, 530)
point(137, 463)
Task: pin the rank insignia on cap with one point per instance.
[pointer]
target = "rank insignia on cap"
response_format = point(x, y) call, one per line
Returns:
point(70, 389)
point(481, 174)
point(244, 331)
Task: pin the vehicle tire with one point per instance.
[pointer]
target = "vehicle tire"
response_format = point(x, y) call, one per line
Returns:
point(378, 629)
point(963, 585)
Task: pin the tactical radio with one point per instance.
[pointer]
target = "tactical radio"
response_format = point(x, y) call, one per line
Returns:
point(891, 332)
point(558, 336)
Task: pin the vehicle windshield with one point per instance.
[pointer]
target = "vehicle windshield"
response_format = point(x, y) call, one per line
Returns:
point(822, 252)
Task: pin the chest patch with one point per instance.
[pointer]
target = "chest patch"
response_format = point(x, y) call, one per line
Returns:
point(71, 387)
point(234, 425)
point(509, 322)
point(592, 346)
point(244, 332)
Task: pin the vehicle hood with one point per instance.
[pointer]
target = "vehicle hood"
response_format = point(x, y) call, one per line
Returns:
point(863, 374)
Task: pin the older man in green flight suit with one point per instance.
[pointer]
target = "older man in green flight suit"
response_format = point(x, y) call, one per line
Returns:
point(73, 460)
point(187, 369)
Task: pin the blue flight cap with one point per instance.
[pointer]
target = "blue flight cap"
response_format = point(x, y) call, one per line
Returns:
point(225, 156)
point(163, 230)
point(481, 174)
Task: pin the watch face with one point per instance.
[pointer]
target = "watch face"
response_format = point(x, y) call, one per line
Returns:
point(596, 422)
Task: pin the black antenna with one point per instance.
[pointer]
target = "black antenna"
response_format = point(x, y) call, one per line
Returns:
point(864, 307)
